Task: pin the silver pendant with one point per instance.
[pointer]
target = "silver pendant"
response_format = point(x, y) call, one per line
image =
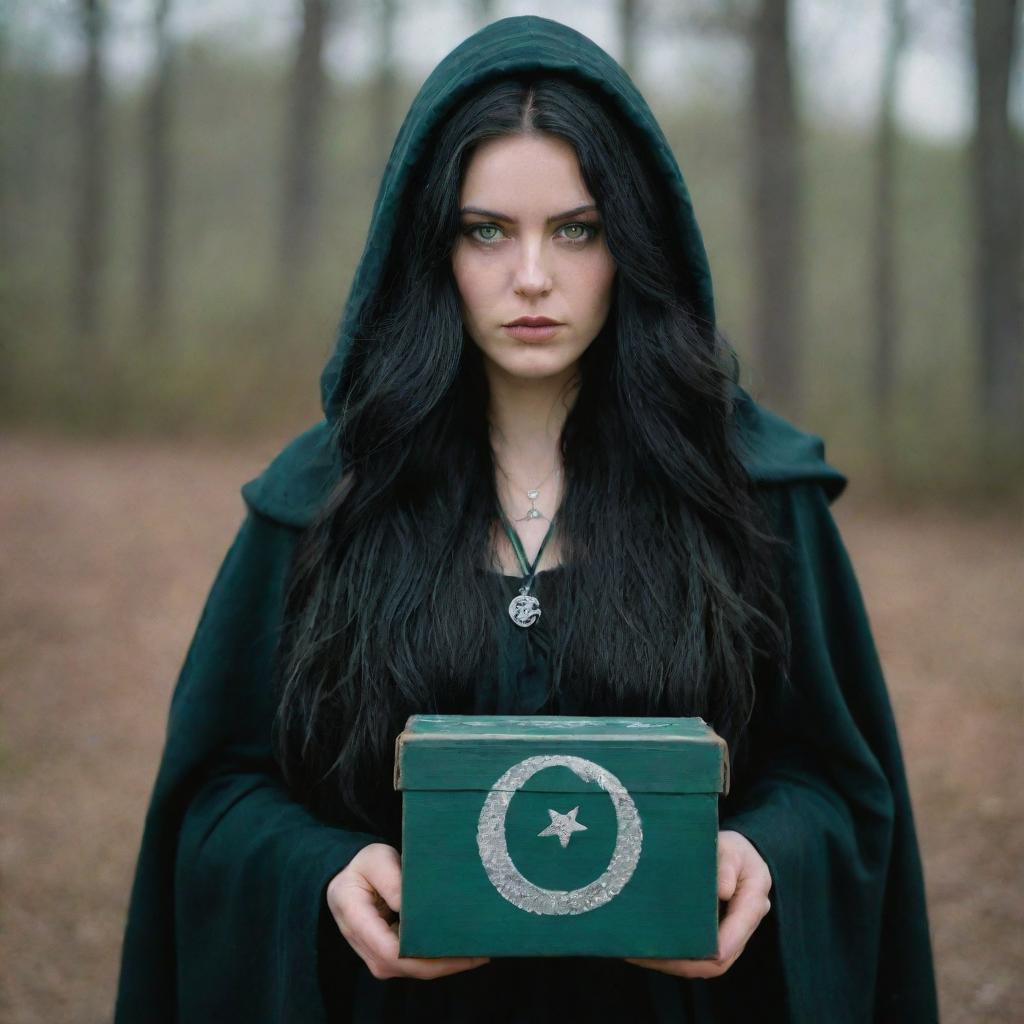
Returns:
point(524, 610)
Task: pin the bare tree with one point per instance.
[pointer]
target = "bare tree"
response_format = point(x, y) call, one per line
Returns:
point(484, 10)
point(90, 217)
point(711, 19)
point(385, 90)
point(629, 19)
point(997, 183)
point(302, 148)
point(158, 170)
point(775, 207)
point(883, 264)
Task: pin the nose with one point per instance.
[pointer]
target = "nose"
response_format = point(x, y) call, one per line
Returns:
point(531, 276)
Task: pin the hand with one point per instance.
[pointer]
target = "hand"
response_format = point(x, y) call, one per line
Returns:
point(744, 881)
point(365, 899)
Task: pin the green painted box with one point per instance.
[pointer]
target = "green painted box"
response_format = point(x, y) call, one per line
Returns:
point(559, 836)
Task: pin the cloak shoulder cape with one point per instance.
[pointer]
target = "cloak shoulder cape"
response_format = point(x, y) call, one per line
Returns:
point(227, 919)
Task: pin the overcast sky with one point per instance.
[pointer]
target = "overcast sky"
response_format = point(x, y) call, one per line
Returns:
point(839, 44)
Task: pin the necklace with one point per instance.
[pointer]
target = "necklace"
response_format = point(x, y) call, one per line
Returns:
point(524, 609)
point(533, 494)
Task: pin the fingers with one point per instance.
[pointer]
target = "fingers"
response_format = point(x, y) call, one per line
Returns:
point(378, 946)
point(682, 968)
point(384, 873)
point(744, 882)
point(428, 970)
point(728, 870)
point(748, 902)
point(364, 902)
point(376, 942)
point(748, 906)
point(364, 927)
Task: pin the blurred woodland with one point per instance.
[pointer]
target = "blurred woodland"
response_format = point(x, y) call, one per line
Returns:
point(185, 189)
point(178, 247)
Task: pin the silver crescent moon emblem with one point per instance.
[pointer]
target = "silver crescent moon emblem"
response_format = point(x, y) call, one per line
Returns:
point(524, 609)
point(506, 877)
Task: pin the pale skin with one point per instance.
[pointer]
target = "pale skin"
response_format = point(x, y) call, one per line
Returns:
point(535, 252)
point(532, 244)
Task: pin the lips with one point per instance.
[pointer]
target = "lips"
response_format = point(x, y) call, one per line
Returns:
point(533, 321)
point(536, 328)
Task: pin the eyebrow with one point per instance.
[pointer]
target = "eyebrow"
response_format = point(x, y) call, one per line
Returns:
point(505, 217)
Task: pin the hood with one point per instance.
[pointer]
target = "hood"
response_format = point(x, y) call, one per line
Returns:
point(293, 486)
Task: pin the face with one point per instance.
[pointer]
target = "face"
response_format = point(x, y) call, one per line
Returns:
point(531, 244)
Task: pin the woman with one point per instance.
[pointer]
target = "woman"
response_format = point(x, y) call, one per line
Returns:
point(606, 471)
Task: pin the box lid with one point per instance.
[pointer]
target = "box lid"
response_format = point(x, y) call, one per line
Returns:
point(469, 752)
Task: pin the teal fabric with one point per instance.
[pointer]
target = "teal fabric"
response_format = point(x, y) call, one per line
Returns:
point(227, 920)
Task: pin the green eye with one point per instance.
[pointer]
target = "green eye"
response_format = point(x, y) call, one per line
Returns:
point(587, 232)
point(488, 234)
point(484, 227)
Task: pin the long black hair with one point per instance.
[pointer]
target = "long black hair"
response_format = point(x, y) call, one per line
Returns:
point(669, 603)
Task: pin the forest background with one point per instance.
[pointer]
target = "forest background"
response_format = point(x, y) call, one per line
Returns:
point(185, 189)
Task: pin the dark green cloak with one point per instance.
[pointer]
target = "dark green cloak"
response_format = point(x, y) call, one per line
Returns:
point(227, 920)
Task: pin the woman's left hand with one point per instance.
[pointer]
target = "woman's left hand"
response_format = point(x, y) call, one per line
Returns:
point(744, 881)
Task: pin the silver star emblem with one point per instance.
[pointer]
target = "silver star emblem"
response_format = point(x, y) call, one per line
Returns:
point(563, 826)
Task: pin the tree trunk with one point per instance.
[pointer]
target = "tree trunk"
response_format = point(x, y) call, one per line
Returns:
point(158, 170)
point(302, 150)
point(385, 98)
point(997, 214)
point(775, 213)
point(883, 286)
point(484, 12)
point(629, 17)
point(90, 216)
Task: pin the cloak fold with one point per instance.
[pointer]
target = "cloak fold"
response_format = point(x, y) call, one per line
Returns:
point(224, 911)
point(825, 799)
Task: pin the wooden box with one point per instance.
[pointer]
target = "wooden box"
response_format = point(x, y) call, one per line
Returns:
point(559, 836)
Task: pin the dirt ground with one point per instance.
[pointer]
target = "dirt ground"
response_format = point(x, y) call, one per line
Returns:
point(107, 551)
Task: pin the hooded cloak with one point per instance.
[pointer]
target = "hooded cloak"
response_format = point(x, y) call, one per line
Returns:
point(227, 919)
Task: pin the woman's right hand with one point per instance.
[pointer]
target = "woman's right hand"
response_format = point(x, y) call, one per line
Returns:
point(365, 899)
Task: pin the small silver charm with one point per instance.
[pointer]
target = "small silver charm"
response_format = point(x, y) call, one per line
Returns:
point(524, 609)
